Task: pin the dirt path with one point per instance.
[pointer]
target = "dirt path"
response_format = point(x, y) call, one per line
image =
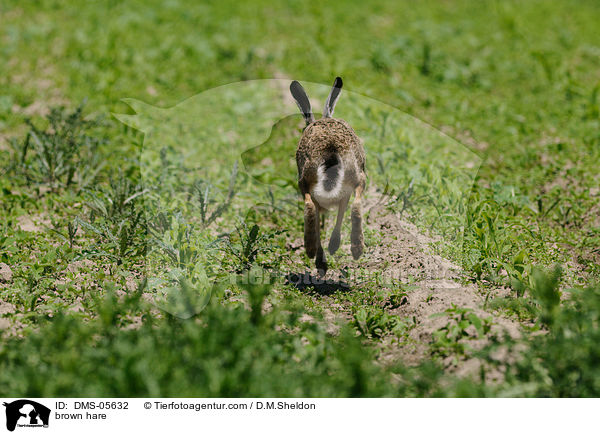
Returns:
point(405, 254)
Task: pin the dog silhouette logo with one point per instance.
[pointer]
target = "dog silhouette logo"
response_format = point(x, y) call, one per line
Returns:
point(26, 413)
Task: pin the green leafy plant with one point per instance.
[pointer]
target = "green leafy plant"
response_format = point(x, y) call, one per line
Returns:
point(398, 297)
point(463, 326)
point(561, 361)
point(375, 323)
point(183, 264)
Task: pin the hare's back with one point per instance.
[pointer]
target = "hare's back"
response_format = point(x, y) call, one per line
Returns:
point(327, 135)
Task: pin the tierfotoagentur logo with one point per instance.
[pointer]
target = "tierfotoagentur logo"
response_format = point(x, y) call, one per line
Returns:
point(25, 413)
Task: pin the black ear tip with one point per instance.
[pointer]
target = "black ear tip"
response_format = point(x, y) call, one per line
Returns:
point(338, 82)
point(294, 85)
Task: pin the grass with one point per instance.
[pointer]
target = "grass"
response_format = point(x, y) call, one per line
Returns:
point(191, 198)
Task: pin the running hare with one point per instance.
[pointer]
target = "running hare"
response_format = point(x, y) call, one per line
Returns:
point(331, 166)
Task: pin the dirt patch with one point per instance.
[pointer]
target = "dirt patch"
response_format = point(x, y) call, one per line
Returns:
point(32, 223)
point(43, 82)
point(5, 308)
point(6, 274)
point(75, 266)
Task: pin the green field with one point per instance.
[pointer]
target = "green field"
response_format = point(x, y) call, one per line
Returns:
point(147, 177)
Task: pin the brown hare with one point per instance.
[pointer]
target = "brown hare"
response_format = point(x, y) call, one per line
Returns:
point(331, 166)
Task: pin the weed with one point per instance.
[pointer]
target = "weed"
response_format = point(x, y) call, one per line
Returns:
point(463, 326)
point(64, 153)
point(397, 298)
point(246, 243)
point(116, 219)
point(202, 190)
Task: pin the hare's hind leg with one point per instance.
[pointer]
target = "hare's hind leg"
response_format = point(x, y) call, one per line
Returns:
point(312, 234)
point(357, 244)
point(311, 226)
point(334, 241)
point(320, 261)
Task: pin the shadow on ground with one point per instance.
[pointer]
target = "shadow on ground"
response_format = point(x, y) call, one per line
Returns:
point(312, 283)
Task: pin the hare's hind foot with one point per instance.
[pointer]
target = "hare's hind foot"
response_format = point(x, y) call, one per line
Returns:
point(334, 242)
point(356, 237)
point(311, 227)
point(357, 246)
point(357, 242)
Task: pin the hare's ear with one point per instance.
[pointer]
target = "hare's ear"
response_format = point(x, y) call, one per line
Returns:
point(332, 98)
point(302, 100)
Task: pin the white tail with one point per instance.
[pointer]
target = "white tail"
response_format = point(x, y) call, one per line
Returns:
point(329, 187)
